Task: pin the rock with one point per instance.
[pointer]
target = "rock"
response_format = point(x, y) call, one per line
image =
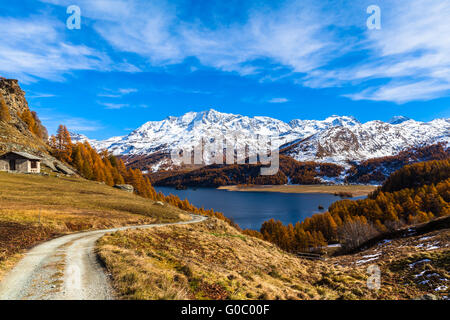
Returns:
point(428, 296)
point(49, 164)
point(159, 203)
point(64, 169)
point(125, 187)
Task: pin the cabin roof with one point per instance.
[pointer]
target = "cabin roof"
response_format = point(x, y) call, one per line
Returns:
point(23, 155)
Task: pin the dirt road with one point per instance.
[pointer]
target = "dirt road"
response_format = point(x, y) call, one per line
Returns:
point(65, 268)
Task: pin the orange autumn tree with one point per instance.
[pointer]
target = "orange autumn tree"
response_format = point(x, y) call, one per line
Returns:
point(33, 123)
point(4, 111)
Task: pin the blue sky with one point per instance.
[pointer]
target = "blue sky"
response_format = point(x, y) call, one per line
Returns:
point(135, 61)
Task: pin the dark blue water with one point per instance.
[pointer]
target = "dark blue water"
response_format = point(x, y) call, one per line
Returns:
point(251, 209)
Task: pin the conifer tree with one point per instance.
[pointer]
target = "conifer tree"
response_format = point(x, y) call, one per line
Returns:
point(5, 116)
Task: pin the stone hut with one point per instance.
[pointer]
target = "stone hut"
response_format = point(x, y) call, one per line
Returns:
point(20, 162)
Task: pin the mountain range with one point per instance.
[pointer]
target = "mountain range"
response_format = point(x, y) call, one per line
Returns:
point(337, 139)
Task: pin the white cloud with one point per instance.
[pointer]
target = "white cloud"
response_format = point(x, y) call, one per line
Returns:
point(52, 120)
point(294, 35)
point(110, 93)
point(34, 48)
point(127, 91)
point(41, 95)
point(117, 106)
point(410, 52)
point(114, 106)
point(403, 92)
point(278, 100)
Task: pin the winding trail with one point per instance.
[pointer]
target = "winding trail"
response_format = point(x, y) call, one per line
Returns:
point(66, 268)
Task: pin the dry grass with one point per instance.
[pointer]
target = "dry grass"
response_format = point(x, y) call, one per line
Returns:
point(410, 267)
point(211, 260)
point(22, 191)
point(65, 205)
point(354, 190)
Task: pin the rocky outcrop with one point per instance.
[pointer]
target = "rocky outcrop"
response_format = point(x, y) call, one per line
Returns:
point(14, 96)
point(63, 168)
point(15, 99)
point(15, 135)
point(125, 187)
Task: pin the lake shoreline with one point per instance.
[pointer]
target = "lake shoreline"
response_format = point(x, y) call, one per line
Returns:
point(355, 190)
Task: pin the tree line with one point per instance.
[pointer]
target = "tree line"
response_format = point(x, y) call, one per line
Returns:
point(378, 169)
point(414, 194)
point(216, 175)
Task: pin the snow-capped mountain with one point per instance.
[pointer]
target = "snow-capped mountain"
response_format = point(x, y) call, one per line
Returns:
point(373, 139)
point(187, 130)
point(335, 139)
point(398, 119)
point(97, 144)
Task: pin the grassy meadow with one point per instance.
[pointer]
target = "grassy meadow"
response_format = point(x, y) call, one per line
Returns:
point(211, 260)
point(35, 208)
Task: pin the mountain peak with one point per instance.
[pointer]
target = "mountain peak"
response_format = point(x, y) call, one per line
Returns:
point(337, 120)
point(340, 137)
point(398, 119)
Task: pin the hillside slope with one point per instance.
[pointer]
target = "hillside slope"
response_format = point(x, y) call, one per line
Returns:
point(15, 133)
point(418, 258)
point(36, 208)
point(213, 261)
point(23, 131)
point(290, 171)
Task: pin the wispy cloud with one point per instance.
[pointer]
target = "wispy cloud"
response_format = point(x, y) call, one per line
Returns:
point(33, 48)
point(117, 106)
point(127, 91)
point(294, 35)
point(114, 106)
point(109, 93)
point(40, 95)
point(408, 59)
point(278, 100)
point(409, 55)
point(52, 120)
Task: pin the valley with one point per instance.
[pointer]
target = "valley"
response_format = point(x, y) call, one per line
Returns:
point(250, 209)
point(170, 242)
point(238, 152)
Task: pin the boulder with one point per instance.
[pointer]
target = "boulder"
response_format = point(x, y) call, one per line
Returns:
point(159, 203)
point(64, 169)
point(428, 296)
point(125, 187)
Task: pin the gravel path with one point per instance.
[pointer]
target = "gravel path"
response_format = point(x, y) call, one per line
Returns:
point(65, 268)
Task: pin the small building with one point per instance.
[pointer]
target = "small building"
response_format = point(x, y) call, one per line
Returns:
point(20, 162)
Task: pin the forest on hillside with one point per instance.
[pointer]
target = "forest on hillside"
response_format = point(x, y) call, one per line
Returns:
point(377, 170)
point(414, 194)
point(249, 174)
point(372, 171)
